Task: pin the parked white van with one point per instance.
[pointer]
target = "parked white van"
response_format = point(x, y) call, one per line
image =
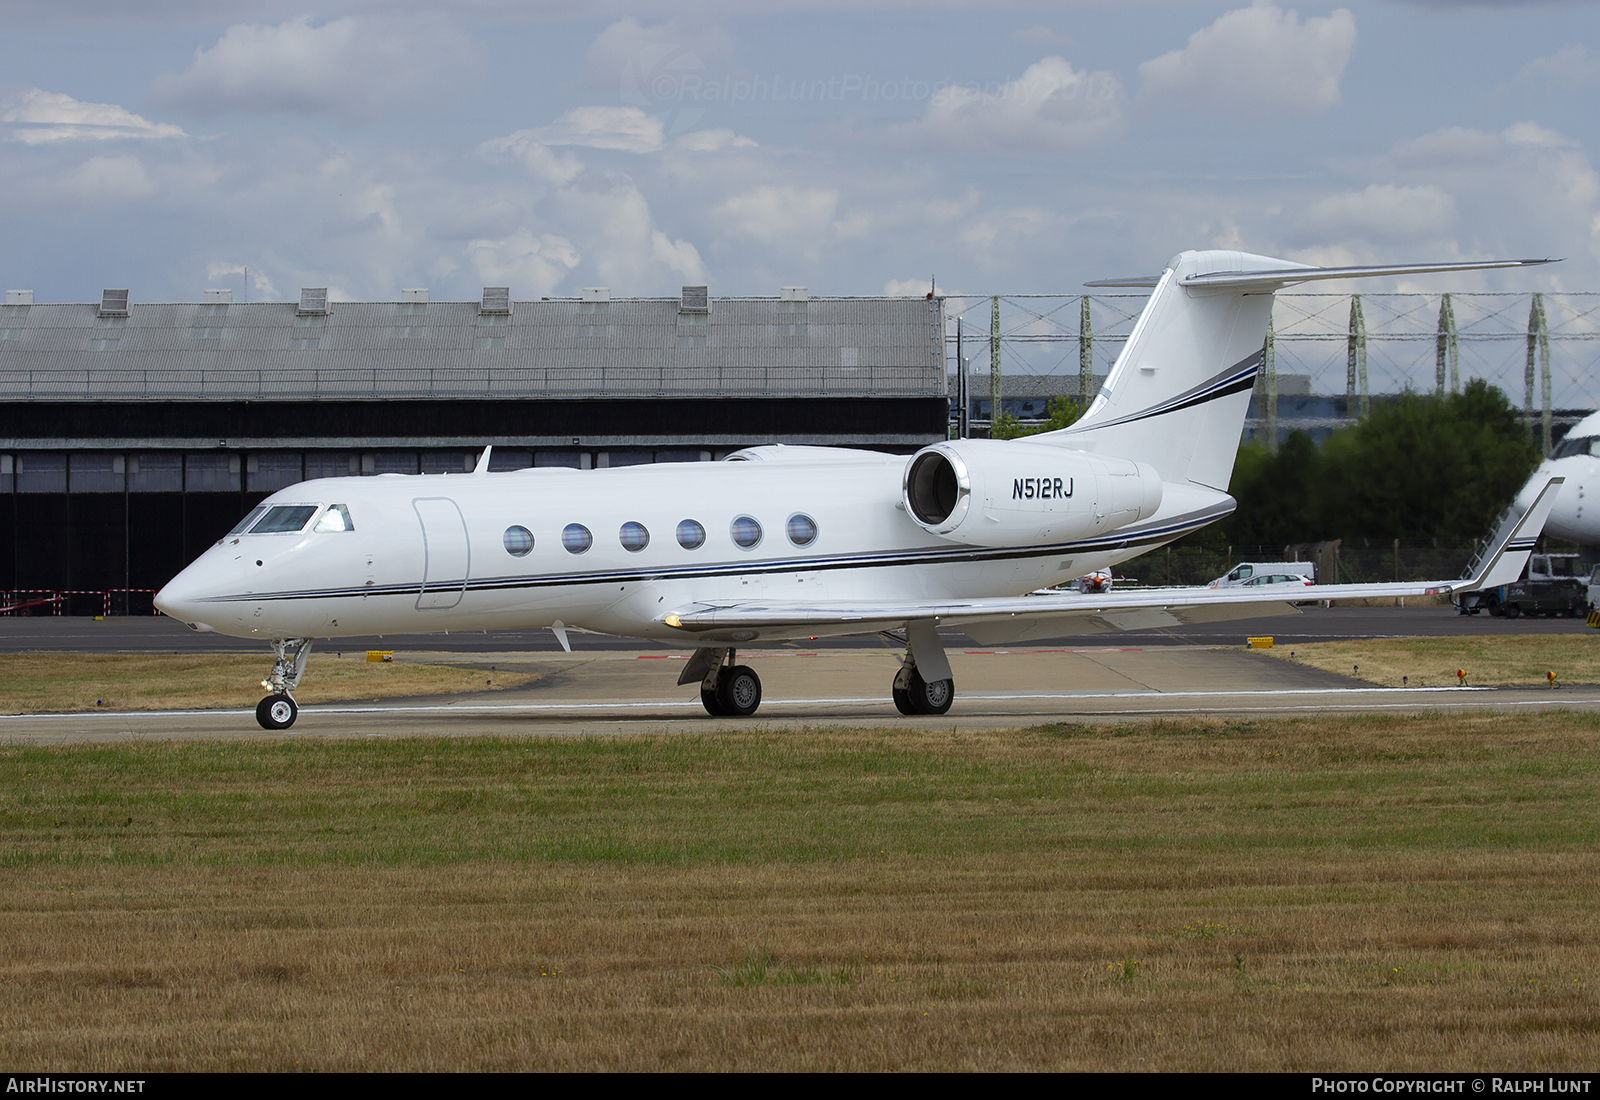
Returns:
point(1263, 572)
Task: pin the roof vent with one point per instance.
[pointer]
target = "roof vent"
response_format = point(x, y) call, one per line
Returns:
point(313, 301)
point(113, 303)
point(694, 300)
point(792, 294)
point(597, 294)
point(414, 294)
point(19, 297)
point(221, 297)
point(496, 299)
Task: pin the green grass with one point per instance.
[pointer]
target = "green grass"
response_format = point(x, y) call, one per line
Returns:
point(1365, 893)
point(1187, 790)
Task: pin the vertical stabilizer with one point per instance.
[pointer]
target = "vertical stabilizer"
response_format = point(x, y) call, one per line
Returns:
point(1178, 394)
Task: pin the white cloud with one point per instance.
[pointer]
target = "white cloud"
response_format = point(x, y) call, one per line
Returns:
point(532, 264)
point(1384, 212)
point(1052, 106)
point(680, 256)
point(1525, 190)
point(618, 242)
point(1534, 136)
point(1255, 61)
point(908, 288)
point(1454, 145)
point(712, 141)
point(869, 221)
point(996, 240)
point(265, 291)
point(102, 181)
point(646, 63)
point(354, 69)
point(626, 129)
point(1568, 69)
point(35, 117)
point(772, 214)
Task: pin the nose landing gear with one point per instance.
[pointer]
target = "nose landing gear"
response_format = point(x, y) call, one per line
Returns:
point(279, 710)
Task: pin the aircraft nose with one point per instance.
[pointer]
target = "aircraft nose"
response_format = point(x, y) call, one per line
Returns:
point(182, 598)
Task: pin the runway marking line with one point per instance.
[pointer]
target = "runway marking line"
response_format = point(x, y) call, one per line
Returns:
point(686, 704)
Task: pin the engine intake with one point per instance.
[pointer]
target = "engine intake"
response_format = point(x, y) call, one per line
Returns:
point(991, 492)
point(934, 487)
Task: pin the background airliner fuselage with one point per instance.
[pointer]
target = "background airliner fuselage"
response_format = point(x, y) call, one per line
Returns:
point(1577, 459)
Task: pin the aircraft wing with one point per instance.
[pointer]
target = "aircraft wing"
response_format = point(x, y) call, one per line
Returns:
point(1005, 619)
point(1018, 618)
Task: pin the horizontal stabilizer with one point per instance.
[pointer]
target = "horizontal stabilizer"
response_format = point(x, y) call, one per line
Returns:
point(1127, 280)
point(1298, 273)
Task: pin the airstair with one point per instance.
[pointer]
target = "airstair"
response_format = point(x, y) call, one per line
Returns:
point(1501, 531)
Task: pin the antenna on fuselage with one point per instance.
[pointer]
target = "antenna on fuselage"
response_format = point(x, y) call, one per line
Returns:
point(483, 461)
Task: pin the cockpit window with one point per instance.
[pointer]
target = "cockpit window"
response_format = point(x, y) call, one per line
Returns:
point(284, 518)
point(1586, 445)
point(336, 518)
point(244, 524)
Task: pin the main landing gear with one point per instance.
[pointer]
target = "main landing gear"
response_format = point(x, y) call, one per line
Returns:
point(923, 685)
point(914, 695)
point(727, 689)
point(279, 710)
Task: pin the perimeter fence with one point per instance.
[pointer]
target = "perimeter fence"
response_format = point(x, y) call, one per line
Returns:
point(1329, 354)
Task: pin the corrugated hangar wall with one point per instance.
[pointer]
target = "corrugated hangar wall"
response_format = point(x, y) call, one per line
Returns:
point(132, 436)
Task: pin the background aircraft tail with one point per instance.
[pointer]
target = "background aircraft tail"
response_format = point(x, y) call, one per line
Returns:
point(1177, 395)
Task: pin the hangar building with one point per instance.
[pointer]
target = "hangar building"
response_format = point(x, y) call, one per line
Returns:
point(133, 435)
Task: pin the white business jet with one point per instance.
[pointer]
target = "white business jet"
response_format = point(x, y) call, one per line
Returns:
point(779, 543)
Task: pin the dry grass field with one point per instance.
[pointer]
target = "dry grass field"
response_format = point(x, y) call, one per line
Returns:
point(1379, 893)
point(48, 683)
point(1492, 661)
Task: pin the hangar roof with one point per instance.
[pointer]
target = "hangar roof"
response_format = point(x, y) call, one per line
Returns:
point(636, 347)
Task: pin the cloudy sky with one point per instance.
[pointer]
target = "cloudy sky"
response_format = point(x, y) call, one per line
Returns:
point(856, 148)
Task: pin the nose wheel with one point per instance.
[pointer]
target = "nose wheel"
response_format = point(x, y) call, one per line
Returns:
point(277, 712)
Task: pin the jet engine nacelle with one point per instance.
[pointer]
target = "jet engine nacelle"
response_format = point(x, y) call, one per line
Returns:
point(995, 492)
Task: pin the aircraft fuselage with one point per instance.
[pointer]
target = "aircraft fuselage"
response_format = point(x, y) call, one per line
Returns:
point(496, 551)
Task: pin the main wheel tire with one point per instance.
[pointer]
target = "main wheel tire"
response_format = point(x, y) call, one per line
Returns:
point(930, 698)
point(713, 705)
point(902, 701)
point(739, 691)
point(277, 712)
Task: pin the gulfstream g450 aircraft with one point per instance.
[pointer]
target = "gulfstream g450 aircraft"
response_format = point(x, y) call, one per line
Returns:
point(778, 543)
